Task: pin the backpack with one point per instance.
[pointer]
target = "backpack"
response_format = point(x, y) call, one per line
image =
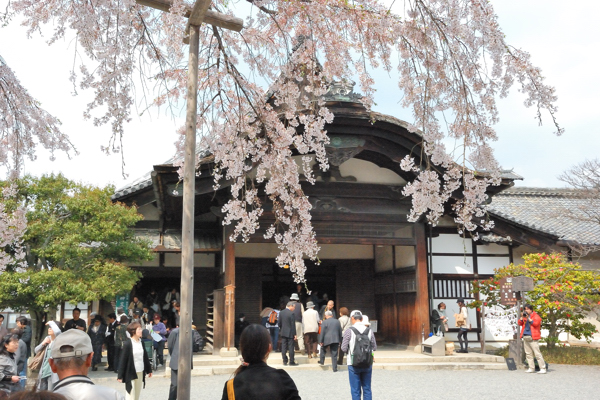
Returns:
point(197, 342)
point(273, 317)
point(362, 356)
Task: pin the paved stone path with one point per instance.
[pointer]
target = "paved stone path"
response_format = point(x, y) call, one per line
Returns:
point(561, 382)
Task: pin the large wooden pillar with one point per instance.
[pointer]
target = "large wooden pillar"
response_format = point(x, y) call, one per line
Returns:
point(229, 284)
point(421, 315)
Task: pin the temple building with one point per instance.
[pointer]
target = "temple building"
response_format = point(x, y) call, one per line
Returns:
point(372, 258)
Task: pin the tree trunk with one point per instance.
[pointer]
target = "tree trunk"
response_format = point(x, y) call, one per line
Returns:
point(38, 326)
point(552, 332)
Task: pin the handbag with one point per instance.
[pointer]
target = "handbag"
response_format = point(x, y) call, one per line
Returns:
point(36, 362)
point(460, 320)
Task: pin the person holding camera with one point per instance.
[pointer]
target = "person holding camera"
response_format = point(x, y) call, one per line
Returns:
point(531, 323)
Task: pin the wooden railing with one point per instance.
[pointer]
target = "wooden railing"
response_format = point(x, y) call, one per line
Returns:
point(454, 286)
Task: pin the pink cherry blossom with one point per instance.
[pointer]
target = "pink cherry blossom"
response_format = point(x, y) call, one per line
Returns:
point(260, 92)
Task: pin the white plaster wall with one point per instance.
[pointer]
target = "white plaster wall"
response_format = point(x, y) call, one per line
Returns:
point(383, 258)
point(367, 172)
point(486, 265)
point(149, 211)
point(451, 243)
point(328, 251)
point(363, 171)
point(405, 256)
point(452, 265)
point(492, 248)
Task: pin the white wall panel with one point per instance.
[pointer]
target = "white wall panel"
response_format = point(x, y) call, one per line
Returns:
point(405, 256)
point(452, 265)
point(486, 265)
point(492, 248)
point(450, 243)
point(383, 258)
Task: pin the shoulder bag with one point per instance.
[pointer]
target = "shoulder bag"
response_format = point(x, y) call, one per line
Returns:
point(36, 362)
point(230, 392)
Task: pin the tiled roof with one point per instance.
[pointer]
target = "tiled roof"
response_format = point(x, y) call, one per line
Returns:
point(132, 187)
point(145, 181)
point(172, 240)
point(548, 210)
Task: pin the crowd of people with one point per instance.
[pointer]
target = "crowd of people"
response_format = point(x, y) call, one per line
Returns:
point(296, 324)
point(126, 338)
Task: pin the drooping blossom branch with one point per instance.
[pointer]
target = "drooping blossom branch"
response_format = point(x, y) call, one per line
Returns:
point(12, 228)
point(260, 92)
point(24, 124)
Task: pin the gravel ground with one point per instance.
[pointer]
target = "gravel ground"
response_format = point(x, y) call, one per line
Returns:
point(561, 382)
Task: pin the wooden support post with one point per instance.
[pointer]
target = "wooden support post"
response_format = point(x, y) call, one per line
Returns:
point(187, 230)
point(482, 328)
point(422, 301)
point(229, 283)
point(211, 17)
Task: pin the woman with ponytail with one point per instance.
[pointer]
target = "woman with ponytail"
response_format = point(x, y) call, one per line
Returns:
point(254, 379)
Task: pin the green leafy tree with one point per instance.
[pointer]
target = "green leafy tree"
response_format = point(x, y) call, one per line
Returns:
point(563, 293)
point(77, 243)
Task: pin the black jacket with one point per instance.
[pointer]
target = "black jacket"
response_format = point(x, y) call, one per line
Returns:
point(110, 339)
point(127, 367)
point(260, 382)
point(98, 337)
point(287, 323)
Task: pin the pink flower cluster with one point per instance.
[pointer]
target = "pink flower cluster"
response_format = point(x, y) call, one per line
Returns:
point(259, 98)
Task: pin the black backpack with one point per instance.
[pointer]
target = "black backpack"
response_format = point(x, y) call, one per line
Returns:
point(362, 356)
point(197, 342)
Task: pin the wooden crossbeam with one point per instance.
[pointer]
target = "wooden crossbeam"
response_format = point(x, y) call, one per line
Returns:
point(210, 17)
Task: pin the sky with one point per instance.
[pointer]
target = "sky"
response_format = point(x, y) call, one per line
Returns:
point(562, 39)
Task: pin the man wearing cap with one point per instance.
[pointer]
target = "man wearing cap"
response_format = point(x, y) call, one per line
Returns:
point(287, 332)
point(360, 378)
point(310, 324)
point(331, 333)
point(298, 311)
point(72, 355)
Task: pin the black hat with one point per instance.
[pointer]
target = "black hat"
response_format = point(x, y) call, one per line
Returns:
point(461, 301)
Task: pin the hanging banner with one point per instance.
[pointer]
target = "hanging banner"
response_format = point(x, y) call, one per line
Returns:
point(501, 322)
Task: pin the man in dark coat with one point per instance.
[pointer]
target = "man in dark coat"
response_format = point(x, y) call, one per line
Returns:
point(331, 333)
point(287, 332)
point(23, 324)
point(110, 342)
point(173, 344)
point(97, 333)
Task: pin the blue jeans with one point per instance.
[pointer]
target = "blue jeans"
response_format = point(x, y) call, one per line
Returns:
point(274, 331)
point(360, 378)
point(22, 382)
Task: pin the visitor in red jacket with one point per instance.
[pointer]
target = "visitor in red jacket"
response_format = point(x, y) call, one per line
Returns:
point(530, 324)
